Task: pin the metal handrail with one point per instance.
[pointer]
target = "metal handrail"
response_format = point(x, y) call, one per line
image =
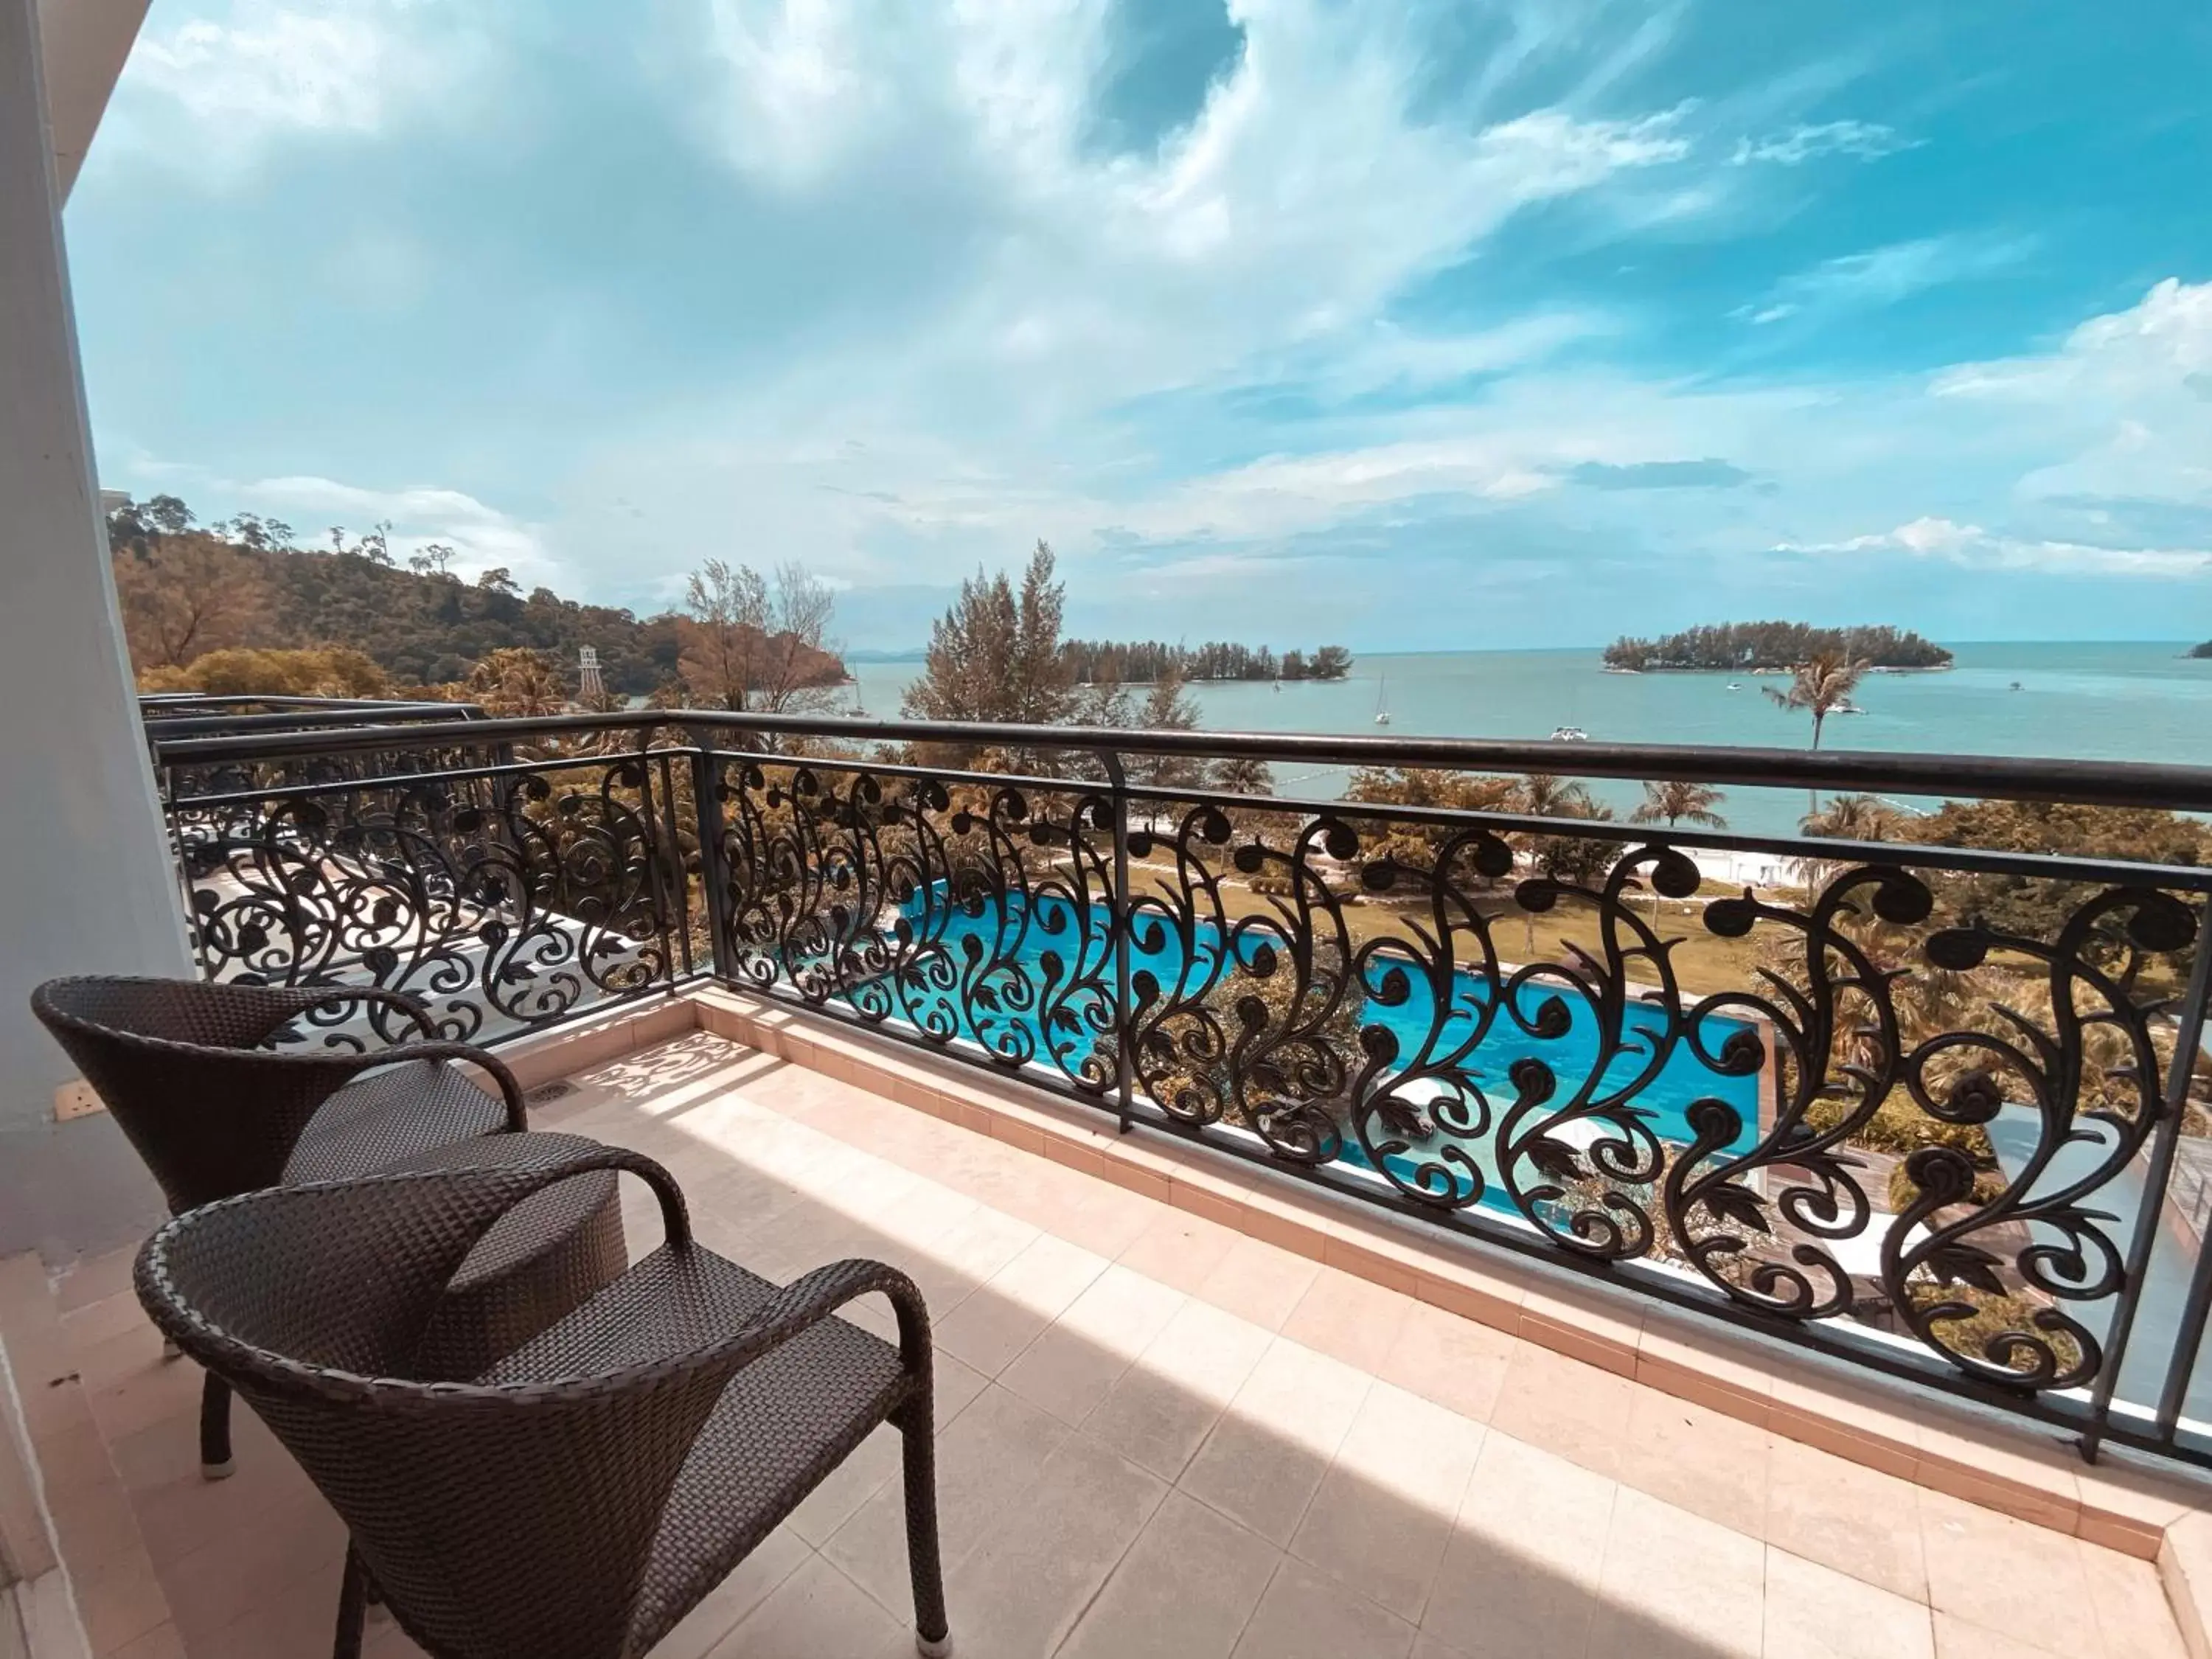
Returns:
point(2106, 783)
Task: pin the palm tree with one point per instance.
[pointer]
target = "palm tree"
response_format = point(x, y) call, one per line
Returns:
point(1243, 775)
point(1820, 686)
point(1847, 818)
point(1675, 800)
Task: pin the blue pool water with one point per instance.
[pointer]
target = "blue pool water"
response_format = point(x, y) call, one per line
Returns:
point(1042, 937)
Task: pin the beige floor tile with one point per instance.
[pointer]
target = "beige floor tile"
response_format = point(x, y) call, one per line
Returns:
point(1185, 1590)
point(1348, 1319)
point(1521, 1572)
point(2007, 1575)
point(2131, 1606)
point(1564, 1407)
point(1017, 1303)
point(1961, 1638)
point(985, 1459)
point(755, 1578)
point(1306, 1614)
point(1453, 1361)
point(161, 1643)
point(1077, 1359)
point(1266, 1457)
point(1179, 1250)
point(1259, 1282)
point(1697, 1458)
point(815, 1613)
point(234, 1573)
point(1026, 1583)
point(1813, 1612)
point(1384, 1512)
point(849, 1486)
point(1677, 1586)
point(1845, 1515)
point(1160, 1410)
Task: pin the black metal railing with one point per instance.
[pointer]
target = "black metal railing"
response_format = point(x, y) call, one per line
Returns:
point(1928, 1108)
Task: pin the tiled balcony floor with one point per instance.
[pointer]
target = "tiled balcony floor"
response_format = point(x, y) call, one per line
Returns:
point(1162, 1437)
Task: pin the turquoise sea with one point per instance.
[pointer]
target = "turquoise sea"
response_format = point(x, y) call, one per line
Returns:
point(2076, 701)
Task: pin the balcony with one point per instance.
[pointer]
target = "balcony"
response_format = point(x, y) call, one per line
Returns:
point(1348, 1229)
point(1164, 1434)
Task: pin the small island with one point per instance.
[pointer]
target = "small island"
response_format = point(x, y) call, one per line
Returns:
point(1143, 662)
point(2203, 650)
point(1774, 647)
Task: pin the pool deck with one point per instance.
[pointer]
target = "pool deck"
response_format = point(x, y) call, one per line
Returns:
point(1160, 1436)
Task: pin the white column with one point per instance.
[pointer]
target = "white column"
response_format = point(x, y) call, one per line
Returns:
point(86, 884)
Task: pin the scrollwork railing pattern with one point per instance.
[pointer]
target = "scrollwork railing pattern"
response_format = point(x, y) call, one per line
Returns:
point(508, 901)
point(1863, 1102)
point(1894, 1115)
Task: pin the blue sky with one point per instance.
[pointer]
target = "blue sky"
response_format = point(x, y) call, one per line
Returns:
point(1417, 324)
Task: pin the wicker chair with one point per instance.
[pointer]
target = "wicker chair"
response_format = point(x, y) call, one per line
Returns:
point(179, 1065)
point(579, 1498)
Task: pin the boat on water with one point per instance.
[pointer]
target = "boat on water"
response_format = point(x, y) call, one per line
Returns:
point(1847, 708)
point(1735, 685)
point(1382, 702)
point(1569, 734)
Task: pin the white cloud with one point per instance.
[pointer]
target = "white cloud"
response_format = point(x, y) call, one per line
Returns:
point(1867, 140)
point(1883, 276)
point(480, 536)
point(212, 95)
point(1972, 546)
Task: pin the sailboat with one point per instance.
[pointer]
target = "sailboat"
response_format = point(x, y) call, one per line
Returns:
point(1382, 702)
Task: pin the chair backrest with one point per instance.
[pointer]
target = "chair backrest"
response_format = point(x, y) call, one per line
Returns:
point(175, 1063)
point(501, 1522)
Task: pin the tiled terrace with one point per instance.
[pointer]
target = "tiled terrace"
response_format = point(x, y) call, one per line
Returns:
point(1160, 1436)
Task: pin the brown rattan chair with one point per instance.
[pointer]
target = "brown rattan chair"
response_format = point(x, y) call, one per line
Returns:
point(581, 1497)
point(179, 1064)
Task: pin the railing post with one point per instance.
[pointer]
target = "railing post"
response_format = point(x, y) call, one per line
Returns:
point(707, 807)
point(2156, 1178)
point(1125, 1069)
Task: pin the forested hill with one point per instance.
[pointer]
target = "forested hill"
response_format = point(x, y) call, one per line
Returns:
point(186, 590)
point(1746, 647)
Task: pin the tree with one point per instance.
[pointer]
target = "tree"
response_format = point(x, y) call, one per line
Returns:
point(184, 593)
point(994, 656)
point(2037, 907)
point(1564, 857)
point(1245, 775)
point(1845, 817)
point(1331, 662)
point(755, 646)
point(1168, 708)
point(330, 670)
point(1820, 687)
point(1673, 801)
point(432, 559)
point(517, 680)
point(499, 580)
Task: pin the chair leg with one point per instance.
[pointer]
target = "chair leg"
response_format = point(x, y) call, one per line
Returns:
point(215, 1462)
point(917, 1427)
point(353, 1598)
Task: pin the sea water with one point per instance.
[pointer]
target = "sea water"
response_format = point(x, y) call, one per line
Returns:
point(2129, 701)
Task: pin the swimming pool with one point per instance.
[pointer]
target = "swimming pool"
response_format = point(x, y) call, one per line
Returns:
point(1025, 971)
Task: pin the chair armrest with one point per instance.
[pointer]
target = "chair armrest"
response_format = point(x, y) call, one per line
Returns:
point(518, 1115)
point(813, 1297)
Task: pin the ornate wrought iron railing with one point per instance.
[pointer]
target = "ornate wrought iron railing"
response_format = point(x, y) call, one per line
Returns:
point(1919, 1106)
